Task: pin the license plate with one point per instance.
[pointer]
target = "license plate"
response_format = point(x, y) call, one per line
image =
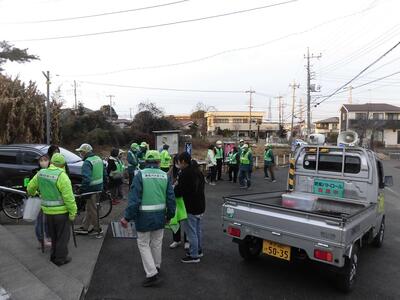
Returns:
point(277, 250)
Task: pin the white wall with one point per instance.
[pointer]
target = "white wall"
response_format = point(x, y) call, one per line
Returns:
point(390, 137)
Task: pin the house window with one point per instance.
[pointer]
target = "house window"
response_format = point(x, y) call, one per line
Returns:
point(393, 116)
point(360, 116)
point(219, 121)
point(377, 116)
point(334, 126)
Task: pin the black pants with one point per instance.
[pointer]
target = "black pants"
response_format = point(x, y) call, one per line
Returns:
point(59, 231)
point(269, 167)
point(219, 168)
point(177, 236)
point(212, 173)
point(233, 172)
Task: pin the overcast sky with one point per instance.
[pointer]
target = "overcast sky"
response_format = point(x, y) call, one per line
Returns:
point(349, 35)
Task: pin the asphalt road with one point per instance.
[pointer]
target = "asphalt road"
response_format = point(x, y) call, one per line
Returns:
point(222, 274)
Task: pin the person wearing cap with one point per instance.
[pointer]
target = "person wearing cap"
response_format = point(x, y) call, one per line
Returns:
point(240, 146)
point(219, 156)
point(115, 173)
point(269, 162)
point(58, 205)
point(246, 162)
point(93, 175)
point(143, 148)
point(211, 165)
point(165, 158)
point(151, 205)
point(122, 167)
point(133, 161)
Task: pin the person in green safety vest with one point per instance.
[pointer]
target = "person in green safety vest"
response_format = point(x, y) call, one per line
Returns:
point(219, 156)
point(165, 158)
point(240, 146)
point(115, 173)
point(233, 162)
point(151, 205)
point(269, 162)
point(122, 169)
point(246, 162)
point(143, 148)
point(93, 178)
point(58, 205)
point(133, 162)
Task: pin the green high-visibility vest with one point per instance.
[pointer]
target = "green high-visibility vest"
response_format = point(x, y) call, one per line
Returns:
point(244, 158)
point(219, 153)
point(233, 158)
point(154, 196)
point(118, 172)
point(165, 159)
point(268, 155)
point(97, 169)
point(51, 196)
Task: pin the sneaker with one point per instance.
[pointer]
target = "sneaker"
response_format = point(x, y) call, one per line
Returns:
point(265, 178)
point(274, 180)
point(47, 243)
point(187, 246)
point(213, 183)
point(190, 260)
point(201, 254)
point(151, 281)
point(175, 245)
point(82, 231)
point(63, 262)
point(206, 180)
point(95, 232)
point(243, 187)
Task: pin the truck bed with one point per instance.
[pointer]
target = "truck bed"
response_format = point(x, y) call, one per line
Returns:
point(335, 208)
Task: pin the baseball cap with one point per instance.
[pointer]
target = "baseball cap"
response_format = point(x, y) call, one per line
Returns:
point(152, 155)
point(58, 159)
point(84, 148)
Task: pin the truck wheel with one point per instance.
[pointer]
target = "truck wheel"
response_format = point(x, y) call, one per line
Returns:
point(348, 274)
point(378, 240)
point(250, 248)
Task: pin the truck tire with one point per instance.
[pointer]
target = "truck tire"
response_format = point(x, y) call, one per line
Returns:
point(378, 240)
point(250, 248)
point(348, 273)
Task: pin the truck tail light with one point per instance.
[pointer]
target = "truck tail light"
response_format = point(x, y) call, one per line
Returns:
point(323, 255)
point(234, 231)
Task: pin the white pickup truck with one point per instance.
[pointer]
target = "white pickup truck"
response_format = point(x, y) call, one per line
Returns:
point(335, 208)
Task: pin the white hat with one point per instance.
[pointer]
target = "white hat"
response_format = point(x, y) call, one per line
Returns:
point(241, 141)
point(219, 143)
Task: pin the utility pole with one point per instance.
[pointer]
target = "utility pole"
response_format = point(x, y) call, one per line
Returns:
point(270, 110)
point(130, 113)
point(294, 86)
point(251, 92)
point(76, 103)
point(350, 88)
point(47, 76)
point(308, 66)
point(110, 96)
point(280, 108)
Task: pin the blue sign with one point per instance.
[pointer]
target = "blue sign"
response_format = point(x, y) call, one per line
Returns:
point(188, 148)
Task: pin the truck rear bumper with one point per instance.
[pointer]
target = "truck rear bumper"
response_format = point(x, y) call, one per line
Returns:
point(312, 247)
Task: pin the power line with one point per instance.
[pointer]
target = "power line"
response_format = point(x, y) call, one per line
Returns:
point(156, 25)
point(310, 29)
point(163, 89)
point(358, 75)
point(95, 15)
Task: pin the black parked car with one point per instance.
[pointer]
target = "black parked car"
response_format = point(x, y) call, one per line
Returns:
point(18, 160)
point(17, 163)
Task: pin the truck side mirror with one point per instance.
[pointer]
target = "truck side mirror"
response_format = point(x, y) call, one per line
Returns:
point(388, 180)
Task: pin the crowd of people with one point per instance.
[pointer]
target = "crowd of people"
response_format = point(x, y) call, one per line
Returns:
point(164, 192)
point(239, 161)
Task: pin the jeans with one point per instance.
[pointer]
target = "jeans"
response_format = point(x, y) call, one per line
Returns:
point(39, 223)
point(150, 248)
point(192, 227)
point(244, 176)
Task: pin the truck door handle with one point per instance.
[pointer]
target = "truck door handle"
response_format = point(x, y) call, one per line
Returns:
point(276, 233)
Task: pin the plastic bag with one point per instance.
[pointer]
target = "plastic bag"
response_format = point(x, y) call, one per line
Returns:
point(180, 214)
point(32, 208)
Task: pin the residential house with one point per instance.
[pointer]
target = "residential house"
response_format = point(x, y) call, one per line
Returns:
point(379, 121)
point(328, 127)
